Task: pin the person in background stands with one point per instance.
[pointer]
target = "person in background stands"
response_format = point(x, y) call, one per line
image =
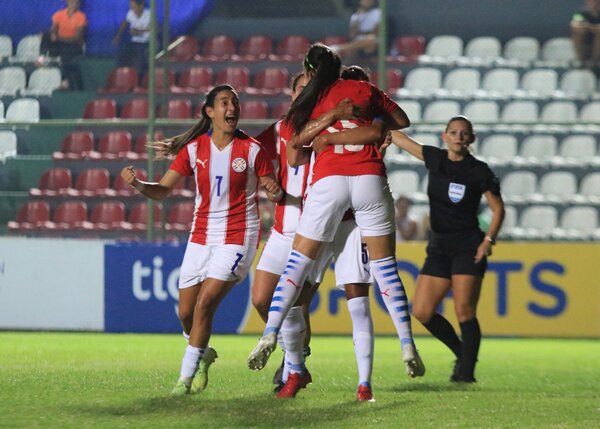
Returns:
point(457, 250)
point(364, 32)
point(133, 52)
point(406, 225)
point(585, 33)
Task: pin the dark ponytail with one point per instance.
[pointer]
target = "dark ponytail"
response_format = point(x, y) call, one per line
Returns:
point(325, 66)
point(172, 145)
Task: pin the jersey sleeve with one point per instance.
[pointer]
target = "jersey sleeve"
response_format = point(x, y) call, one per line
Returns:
point(385, 103)
point(431, 155)
point(181, 164)
point(491, 183)
point(268, 140)
point(262, 164)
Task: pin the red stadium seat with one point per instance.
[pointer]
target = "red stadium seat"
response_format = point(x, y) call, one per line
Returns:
point(123, 189)
point(238, 77)
point(109, 215)
point(271, 81)
point(54, 182)
point(71, 215)
point(406, 49)
point(333, 40)
point(394, 80)
point(93, 182)
point(280, 109)
point(217, 48)
point(158, 81)
point(114, 145)
point(291, 48)
point(138, 216)
point(136, 108)
point(179, 218)
point(254, 109)
point(140, 144)
point(101, 108)
point(76, 145)
point(179, 109)
point(254, 48)
point(120, 81)
point(195, 80)
point(31, 216)
point(185, 48)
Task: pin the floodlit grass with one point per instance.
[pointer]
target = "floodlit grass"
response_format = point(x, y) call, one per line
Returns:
point(65, 380)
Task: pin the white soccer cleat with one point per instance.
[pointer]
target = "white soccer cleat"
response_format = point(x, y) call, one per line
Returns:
point(260, 355)
point(414, 365)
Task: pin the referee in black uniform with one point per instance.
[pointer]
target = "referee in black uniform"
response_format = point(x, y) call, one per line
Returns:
point(457, 250)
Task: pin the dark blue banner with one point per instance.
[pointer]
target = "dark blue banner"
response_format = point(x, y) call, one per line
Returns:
point(141, 292)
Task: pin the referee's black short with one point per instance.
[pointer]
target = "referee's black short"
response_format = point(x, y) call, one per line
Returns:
point(449, 254)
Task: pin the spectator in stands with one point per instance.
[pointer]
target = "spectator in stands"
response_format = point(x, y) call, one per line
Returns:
point(457, 250)
point(133, 52)
point(406, 225)
point(585, 33)
point(364, 32)
point(66, 40)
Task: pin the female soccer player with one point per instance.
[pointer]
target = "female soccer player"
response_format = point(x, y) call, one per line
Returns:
point(227, 166)
point(457, 250)
point(343, 177)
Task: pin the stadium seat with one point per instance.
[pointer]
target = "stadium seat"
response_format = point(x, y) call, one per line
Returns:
point(442, 49)
point(499, 83)
point(576, 150)
point(421, 82)
point(536, 149)
point(76, 145)
point(71, 215)
point(520, 111)
point(407, 49)
point(460, 83)
point(1, 111)
point(109, 216)
point(122, 189)
point(271, 81)
point(23, 110)
point(28, 49)
point(179, 217)
point(12, 81)
point(238, 77)
point(482, 111)
point(441, 110)
point(183, 49)
point(556, 187)
point(589, 190)
point(158, 81)
point(254, 109)
point(577, 84)
point(120, 81)
point(518, 186)
point(521, 51)
point(556, 52)
point(577, 223)
point(280, 109)
point(179, 109)
point(429, 139)
point(538, 83)
point(291, 48)
point(32, 215)
point(8, 145)
point(101, 108)
point(559, 112)
point(138, 216)
point(481, 51)
point(136, 108)
point(92, 182)
point(53, 182)
point(114, 145)
point(412, 108)
point(509, 222)
point(393, 82)
point(140, 144)
point(256, 47)
point(406, 182)
point(590, 112)
point(6, 46)
point(217, 48)
point(537, 222)
point(43, 81)
point(498, 149)
point(195, 80)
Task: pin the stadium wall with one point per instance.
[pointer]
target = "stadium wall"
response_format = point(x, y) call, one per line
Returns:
point(531, 289)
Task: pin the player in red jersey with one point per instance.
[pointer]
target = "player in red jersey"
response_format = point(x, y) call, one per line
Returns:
point(345, 176)
point(227, 166)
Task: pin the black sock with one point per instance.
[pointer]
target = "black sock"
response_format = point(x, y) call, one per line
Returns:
point(443, 331)
point(471, 337)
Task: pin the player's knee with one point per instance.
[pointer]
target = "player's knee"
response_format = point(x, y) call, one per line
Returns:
point(261, 304)
point(422, 313)
point(186, 315)
point(464, 312)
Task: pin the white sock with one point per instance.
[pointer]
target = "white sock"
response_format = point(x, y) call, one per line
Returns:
point(362, 336)
point(287, 290)
point(292, 330)
point(392, 290)
point(189, 363)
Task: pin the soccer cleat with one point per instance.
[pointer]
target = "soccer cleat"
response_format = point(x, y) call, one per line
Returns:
point(181, 389)
point(294, 383)
point(455, 371)
point(364, 393)
point(279, 373)
point(201, 379)
point(414, 365)
point(260, 355)
point(278, 387)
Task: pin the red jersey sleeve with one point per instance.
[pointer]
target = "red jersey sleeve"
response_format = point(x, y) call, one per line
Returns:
point(262, 165)
point(181, 164)
point(268, 140)
point(384, 101)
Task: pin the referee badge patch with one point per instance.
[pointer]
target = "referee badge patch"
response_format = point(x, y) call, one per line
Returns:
point(238, 165)
point(456, 192)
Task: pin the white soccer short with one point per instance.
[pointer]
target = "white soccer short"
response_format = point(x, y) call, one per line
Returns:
point(227, 262)
point(275, 255)
point(368, 196)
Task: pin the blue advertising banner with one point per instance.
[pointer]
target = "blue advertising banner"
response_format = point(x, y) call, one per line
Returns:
point(141, 291)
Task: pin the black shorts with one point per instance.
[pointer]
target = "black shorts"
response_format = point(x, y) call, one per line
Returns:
point(449, 254)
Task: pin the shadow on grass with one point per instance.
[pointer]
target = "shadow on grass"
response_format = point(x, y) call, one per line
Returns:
point(433, 387)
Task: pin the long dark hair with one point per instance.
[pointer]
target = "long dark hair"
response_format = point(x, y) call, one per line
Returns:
point(172, 145)
point(325, 65)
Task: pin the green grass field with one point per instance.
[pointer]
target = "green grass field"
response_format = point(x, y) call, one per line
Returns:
point(64, 380)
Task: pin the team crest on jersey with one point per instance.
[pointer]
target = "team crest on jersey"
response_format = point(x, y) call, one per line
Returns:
point(456, 192)
point(239, 165)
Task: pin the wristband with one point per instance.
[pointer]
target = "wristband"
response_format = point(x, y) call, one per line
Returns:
point(490, 239)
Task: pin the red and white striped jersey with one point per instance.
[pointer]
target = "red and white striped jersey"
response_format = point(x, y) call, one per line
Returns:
point(352, 160)
point(226, 182)
point(293, 180)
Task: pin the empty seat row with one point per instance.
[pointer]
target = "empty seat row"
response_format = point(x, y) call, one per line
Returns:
point(500, 82)
point(42, 81)
point(21, 110)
